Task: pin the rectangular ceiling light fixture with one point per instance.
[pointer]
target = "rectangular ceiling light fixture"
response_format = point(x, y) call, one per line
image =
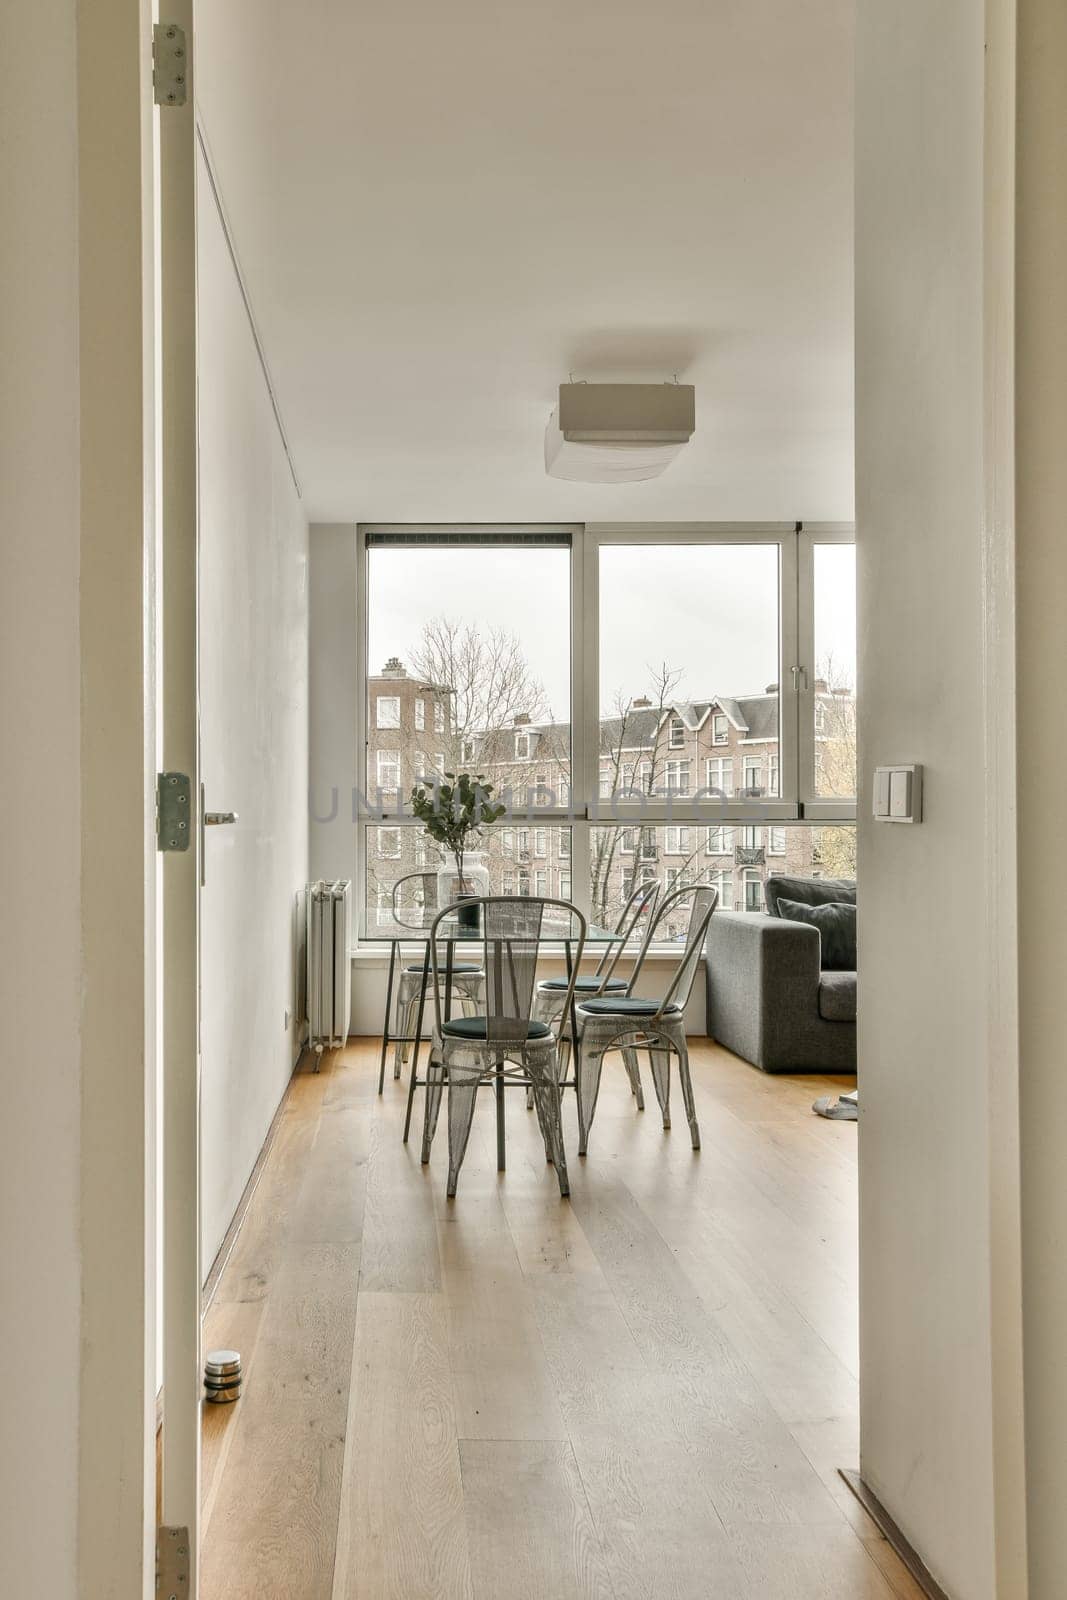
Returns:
point(618, 432)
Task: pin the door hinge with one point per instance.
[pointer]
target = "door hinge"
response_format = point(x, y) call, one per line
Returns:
point(174, 811)
point(170, 64)
point(172, 1563)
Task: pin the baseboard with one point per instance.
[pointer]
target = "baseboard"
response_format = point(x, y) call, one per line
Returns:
point(907, 1553)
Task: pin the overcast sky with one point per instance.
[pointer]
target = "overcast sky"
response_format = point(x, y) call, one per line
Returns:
point(709, 611)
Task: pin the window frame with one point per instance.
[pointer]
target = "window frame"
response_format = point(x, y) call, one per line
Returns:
point(797, 801)
point(814, 808)
point(388, 700)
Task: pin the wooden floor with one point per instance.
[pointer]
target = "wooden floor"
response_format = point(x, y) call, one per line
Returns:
point(645, 1392)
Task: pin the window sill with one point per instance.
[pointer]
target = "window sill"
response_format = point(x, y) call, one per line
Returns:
point(371, 955)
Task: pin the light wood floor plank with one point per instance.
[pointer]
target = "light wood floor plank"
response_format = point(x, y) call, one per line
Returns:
point(402, 1532)
point(229, 1325)
point(273, 1531)
point(791, 1563)
point(400, 1250)
point(502, 1380)
point(659, 1533)
point(530, 1529)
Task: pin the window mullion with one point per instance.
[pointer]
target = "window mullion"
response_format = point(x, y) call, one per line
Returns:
point(789, 773)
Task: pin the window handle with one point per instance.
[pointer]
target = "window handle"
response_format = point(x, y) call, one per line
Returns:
point(800, 678)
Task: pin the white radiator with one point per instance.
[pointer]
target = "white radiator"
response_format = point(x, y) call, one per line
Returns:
point(329, 973)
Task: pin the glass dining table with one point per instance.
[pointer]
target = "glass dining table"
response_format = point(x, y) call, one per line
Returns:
point(378, 925)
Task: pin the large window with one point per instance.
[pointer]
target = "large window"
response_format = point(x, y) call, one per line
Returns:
point(707, 733)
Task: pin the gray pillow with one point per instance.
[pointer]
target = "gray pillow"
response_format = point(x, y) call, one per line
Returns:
point(808, 891)
point(836, 923)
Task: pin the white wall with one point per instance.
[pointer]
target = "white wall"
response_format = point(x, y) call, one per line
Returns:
point(1042, 671)
point(931, 636)
point(76, 526)
point(40, 1263)
point(254, 711)
point(334, 767)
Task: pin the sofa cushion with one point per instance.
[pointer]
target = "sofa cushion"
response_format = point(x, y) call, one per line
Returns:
point(808, 891)
point(837, 997)
point(837, 930)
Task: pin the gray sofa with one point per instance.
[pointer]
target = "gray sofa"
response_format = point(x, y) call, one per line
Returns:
point(768, 998)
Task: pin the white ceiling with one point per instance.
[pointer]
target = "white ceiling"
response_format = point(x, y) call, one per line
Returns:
point(442, 209)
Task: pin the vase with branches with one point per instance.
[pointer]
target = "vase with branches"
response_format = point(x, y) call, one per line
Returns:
point(454, 811)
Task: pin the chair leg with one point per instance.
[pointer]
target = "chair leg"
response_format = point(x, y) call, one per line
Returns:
point(687, 1093)
point(435, 1077)
point(537, 1094)
point(633, 1072)
point(405, 1017)
point(398, 1028)
point(660, 1057)
point(590, 1065)
point(461, 1097)
point(549, 1112)
point(543, 1011)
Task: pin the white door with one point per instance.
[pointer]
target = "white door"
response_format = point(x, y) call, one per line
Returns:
point(181, 1270)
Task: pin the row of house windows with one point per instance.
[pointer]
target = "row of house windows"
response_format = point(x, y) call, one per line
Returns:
point(387, 713)
point(681, 841)
point(678, 732)
point(388, 768)
point(719, 774)
point(750, 883)
point(525, 844)
point(540, 882)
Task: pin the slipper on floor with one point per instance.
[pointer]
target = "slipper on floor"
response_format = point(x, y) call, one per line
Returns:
point(838, 1110)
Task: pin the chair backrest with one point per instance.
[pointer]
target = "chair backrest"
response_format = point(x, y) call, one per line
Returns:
point(641, 903)
point(513, 929)
point(704, 899)
point(412, 904)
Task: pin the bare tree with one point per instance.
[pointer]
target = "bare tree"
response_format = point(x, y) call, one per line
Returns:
point(835, 764)
point(493, 693)
point(486, 674)
point(635, 767)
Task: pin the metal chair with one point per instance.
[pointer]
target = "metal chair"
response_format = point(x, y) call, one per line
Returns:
point(612, 1022)
point(507, 1041)
point(466, 977)
point(549, 1003)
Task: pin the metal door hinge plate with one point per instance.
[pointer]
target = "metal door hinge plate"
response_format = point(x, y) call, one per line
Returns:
point(170, 64)
point(172, 1563)
point(174, 811)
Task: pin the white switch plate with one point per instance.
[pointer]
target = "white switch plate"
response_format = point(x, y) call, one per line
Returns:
point(898, 794)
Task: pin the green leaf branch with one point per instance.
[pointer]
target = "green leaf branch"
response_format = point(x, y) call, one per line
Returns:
point(455, 811)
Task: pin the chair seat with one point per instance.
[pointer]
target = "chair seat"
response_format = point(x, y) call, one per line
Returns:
point(626, 1006)
point(461, 969)
point(583, 985)
point(475, 1028)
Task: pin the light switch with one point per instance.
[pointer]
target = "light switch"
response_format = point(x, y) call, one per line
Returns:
point(898, 794)
point(881, 792)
